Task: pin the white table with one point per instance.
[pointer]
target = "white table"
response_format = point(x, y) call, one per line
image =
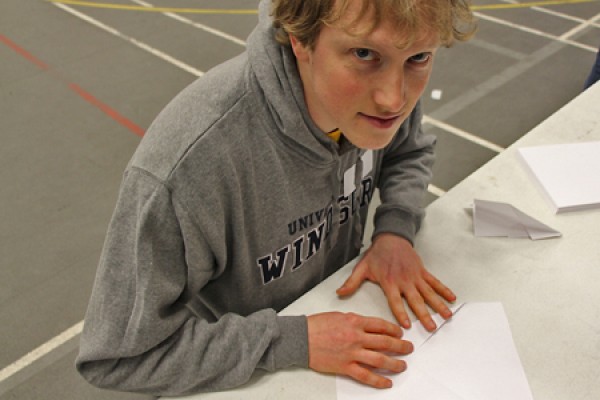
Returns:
point(550, 289)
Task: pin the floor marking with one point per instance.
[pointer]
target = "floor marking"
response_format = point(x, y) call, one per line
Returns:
point(170, 11)
point(475, 93)
point(534, 31)
point(564, 16)
point(579, 28)
point(463, 134)
point(107, 110)
point(24, 53)
point(554, 13)
point(529, 4)
point(502, 6)
point(131, 40)
point(40, 351)
point(515, 55)
point(156, 9)
point(203, 27)
point(87, 96)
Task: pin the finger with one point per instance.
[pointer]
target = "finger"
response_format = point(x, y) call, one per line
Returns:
point(378, 360)
point(435, 301)
point(440, 288)
point(356, 278)
point(388, 344)
point(368, 377)
point(417, 304)
point(381, 326)
point(396, 303)
point(432, 289)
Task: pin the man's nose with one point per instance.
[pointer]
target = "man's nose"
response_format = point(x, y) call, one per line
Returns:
point(390, 95)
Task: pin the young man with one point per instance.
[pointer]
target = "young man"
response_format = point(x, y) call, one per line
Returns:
point(238, 201)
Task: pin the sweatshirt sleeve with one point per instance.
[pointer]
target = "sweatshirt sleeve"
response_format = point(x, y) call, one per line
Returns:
point(404, 177)
point(140, 336)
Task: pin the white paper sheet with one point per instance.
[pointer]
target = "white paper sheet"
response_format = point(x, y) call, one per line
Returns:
point(568, 174)
point(471, 357)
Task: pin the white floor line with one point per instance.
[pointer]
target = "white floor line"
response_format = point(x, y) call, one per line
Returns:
point(135, 42)
point(534, 31)
point(436, 191)
point(580, 27)
point(555, 13)
point(41, 351)
point(463, 134)
point(564, 16)
point(197, 25)
point(504, 51)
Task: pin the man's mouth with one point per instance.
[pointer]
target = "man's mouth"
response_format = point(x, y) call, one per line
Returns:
point(382, 122)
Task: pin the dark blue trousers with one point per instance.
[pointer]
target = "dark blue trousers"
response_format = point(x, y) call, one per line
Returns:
point(594, 74)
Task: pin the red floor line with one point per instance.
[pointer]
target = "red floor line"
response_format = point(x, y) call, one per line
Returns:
point(24, 53)
point(112, 113)
point(85, 95)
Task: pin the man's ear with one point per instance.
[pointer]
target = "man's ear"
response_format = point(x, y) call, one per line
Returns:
point(300, 51)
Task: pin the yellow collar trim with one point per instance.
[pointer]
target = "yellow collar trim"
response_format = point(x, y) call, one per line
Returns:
point(335, 134)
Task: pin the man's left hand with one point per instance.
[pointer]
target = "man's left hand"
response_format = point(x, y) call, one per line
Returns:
point(392, 262)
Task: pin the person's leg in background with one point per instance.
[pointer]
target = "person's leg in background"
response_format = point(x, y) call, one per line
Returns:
point(594, 74)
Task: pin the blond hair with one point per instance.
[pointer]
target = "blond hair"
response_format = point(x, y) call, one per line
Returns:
point(452, 20)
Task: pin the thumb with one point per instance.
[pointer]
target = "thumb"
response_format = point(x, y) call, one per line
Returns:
point(356, 278)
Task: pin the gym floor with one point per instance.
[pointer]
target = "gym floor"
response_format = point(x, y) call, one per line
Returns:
point(80, 81)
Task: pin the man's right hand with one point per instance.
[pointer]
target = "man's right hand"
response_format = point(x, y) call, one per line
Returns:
point(353, 345)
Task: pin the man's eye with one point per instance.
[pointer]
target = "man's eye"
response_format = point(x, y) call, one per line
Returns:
point(364, 54)
point(420, 58)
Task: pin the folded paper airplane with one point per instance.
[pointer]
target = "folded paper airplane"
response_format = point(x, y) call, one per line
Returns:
point(492, 218)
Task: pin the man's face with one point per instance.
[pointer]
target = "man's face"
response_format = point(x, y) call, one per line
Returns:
point(364, 84)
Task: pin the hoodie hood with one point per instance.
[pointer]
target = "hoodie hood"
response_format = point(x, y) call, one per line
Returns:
point(276, 72)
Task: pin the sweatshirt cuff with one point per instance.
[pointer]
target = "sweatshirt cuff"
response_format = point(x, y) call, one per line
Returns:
point(398, 222)
point(291, 348)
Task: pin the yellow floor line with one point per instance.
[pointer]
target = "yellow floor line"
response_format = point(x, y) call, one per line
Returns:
point(112, 6)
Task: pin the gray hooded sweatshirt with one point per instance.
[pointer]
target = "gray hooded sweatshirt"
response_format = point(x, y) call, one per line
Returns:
point(233, 206)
